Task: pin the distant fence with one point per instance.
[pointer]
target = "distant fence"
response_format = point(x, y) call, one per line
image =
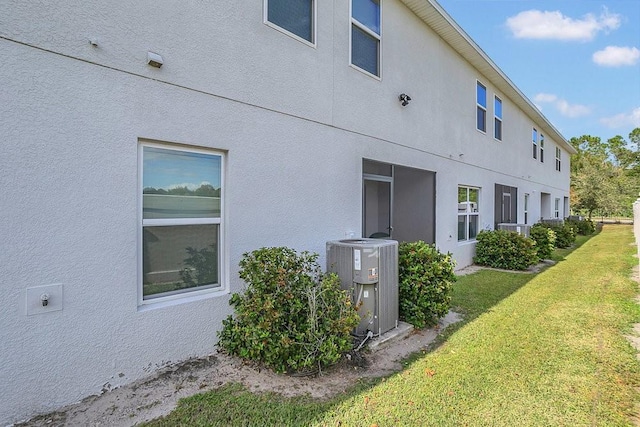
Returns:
point(636, 225)
point(636, 222)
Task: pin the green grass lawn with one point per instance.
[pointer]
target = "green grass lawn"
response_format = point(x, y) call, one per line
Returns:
point(533, 350)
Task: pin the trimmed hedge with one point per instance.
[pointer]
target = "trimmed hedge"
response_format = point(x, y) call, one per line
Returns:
point(565, 234)
point(291, 317)
point(425, 280)
point(505, 249)
point(583, 227)
point(545, 239)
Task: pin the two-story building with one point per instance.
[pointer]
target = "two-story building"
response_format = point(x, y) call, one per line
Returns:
point(147, 145)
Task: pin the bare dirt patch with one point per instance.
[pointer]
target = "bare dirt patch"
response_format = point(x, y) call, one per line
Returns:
point(158, 394)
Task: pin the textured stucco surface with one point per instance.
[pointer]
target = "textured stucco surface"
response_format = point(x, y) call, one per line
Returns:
point(294, 121)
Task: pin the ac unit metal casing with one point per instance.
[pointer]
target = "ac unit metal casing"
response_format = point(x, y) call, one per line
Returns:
point(522, 229)
point(368, 268)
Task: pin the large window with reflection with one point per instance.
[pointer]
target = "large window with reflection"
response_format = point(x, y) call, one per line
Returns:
point(497, 118)
point(481, 107)
point(467, 213)
point(366, 35)
point(182, 205)
point(294, 17)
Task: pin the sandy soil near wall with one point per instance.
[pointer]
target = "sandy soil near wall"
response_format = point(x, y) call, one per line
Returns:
point(158, 395)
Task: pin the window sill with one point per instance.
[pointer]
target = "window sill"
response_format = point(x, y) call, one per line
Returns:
point(466, 242)
point(290, 34)
point(182, 299)
point(365, 72)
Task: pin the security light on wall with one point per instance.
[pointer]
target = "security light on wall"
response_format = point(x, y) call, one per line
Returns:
point(154, 60)
point(404, 99)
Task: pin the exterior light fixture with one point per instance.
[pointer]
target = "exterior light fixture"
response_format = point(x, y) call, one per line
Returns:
point(404, 99)
point(154, 60)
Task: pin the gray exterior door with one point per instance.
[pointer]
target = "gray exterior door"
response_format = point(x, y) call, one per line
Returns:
point(506, 205)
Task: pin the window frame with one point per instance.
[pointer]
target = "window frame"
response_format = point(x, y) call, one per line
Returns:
point(534, 138)
point(186, 294)
point(497, 119)
point(468, 213)
point(526, 208)
point(558, 159)
point(556, 207)
point(541, 145)
point(314, 26)
point(480, 107)
point(354, 22)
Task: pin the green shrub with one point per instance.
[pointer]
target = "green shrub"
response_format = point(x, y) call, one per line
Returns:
point(545, 239)
point(565, 234)
point(425, 279)
point(291, 317)
point(583, 227)
point(505, 249)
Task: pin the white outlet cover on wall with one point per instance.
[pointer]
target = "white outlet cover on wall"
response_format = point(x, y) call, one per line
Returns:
point(34, 297)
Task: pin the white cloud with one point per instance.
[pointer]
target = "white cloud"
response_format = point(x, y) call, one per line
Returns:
point(553, 25)
point(616, 56)
point(568, 110)
point(623, 120)
point(545, 98)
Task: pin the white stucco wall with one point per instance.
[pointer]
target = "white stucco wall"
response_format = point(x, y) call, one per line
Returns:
point(294, 121)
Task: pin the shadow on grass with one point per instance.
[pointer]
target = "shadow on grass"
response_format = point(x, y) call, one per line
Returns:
point(233, 405)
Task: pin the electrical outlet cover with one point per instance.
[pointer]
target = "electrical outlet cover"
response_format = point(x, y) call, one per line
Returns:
point(34, 299)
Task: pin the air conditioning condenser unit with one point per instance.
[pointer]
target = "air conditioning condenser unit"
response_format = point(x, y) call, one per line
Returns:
point(368, 268)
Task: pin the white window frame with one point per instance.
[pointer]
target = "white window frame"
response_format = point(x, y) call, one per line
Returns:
point(556, 208)
point(354, 22)
point(468, 213)
point(526, 208)
point(480, 107)
point(558, 159)
point(314, 34)
point(496, 118)
point(187, 295)
point(541, 145)
point(534, 138)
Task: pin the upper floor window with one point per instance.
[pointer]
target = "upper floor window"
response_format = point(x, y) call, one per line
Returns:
point(542, 148)
point(467, 213)
point(181, 229)
point(481, 107)
point(534, 138)
point(365, 35)
point(295, 17)
point(558, 159)
point(497, 118)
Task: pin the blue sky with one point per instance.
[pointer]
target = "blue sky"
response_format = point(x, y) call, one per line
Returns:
point(577, 60)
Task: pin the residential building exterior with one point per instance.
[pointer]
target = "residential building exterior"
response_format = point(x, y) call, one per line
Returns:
point(148, 145)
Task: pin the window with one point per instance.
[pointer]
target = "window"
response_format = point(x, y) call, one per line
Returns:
point(497, 118)
point(556, 208)
point(365, 35)
point(541, 148)
point(181, 233)
point(295, 17)
point(526, 208)
point(534, 138)
point(558, 154)
point(467, 213)
point(481, 107)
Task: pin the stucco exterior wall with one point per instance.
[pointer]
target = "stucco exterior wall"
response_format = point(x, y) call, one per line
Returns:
point(294, 122)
